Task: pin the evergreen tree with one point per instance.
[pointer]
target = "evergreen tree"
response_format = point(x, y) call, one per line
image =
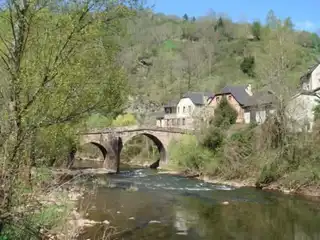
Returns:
point(247, 66)
point(256, 30)
point(185, 17)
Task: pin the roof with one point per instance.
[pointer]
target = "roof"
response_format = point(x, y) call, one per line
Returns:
point(198, 98)
point(172, 103)
point(260, 98)
point(244, 99)
point(238, 92)
point(305, 76)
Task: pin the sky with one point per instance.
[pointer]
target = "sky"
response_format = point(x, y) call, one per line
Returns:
point(304, 13)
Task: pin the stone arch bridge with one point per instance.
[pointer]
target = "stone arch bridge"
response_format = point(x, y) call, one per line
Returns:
point(110, 141)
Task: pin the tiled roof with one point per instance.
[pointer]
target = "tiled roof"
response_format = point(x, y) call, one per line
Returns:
point(198, 98)
point(244, 99)
point(238, 92)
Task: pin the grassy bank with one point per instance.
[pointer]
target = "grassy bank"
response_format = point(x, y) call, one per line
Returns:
point(43, 209)
point(266, 156)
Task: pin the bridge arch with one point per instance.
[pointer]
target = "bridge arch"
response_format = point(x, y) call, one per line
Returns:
point(156, 140)
point(73, 153)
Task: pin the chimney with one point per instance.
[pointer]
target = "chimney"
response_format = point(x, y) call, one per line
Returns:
point(249, 90)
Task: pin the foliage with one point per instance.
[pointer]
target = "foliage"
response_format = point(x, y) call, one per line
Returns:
point(224, 115)
point(207, 52)
point(212, 138)
point(247, 66)
point(59, 65)
point(124, 120)
point(256, 30)
point(316, 112)
point(189, 155)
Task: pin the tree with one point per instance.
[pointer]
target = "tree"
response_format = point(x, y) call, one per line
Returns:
point(288, 23)
point(58, 67)
point(219, 25)
point(247, 66)
point(185, 17)
point(256, 29)
point(272, 20)
point(225, 115)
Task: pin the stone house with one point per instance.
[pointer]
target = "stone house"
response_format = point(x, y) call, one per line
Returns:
point(250, 107)
point(181, 113)
point(300, 107)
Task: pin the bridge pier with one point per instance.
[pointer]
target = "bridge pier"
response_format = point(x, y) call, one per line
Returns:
point(112, 159)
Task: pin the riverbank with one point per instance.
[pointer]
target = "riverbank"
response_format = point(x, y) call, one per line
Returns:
point(310, 191)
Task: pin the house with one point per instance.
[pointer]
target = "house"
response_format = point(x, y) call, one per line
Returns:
point(310, 81)
point(250, 107)
point(300, 107)
point(180, 113)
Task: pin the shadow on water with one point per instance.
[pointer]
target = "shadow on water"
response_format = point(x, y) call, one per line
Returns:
point(142, 204)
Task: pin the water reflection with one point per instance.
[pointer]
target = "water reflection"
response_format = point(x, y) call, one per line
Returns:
point(169, 207)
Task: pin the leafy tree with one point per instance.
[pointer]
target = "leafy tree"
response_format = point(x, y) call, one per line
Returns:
point(256, 30)
point(224, 115)
point(212, 138)
point(247, 66)
point(193, 19)
point(124, 120)
point(58, 63)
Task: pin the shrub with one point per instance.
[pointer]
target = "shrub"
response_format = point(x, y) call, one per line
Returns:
point(212, 139)
point(225, 115)
point(189, 155)
point(247, 66)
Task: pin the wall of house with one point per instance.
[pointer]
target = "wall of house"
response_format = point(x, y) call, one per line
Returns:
point(315, 79)
point(233, 102)
point(185, 108)
point(186, 123)
point(300, 111)
point(247, 117)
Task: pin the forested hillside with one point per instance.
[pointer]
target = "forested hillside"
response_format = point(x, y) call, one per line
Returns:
point(165, 56)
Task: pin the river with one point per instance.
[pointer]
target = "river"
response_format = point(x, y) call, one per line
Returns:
point(143, 204)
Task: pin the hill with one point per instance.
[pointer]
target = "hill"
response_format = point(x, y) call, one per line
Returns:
point(166, 56)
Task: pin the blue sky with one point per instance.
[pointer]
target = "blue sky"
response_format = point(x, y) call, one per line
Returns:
point(304, 13)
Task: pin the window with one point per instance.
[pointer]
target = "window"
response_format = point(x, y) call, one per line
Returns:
point(173, 122)
point(189, 109)
point(178, 121)
point(229, 97)
point(218, 99)
point(183, 121)
point(178, 109)
point(184, 109)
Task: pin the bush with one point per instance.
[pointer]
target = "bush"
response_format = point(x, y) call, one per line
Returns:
point(225, 115)
point(189, 155)
point(247, 66)
point(212, 139)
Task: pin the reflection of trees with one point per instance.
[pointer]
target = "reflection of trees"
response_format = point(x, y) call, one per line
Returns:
point(282, 219)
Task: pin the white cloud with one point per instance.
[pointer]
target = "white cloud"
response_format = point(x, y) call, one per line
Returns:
point(306, 25)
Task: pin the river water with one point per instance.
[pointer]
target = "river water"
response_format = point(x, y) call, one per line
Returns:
point(143, 204)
